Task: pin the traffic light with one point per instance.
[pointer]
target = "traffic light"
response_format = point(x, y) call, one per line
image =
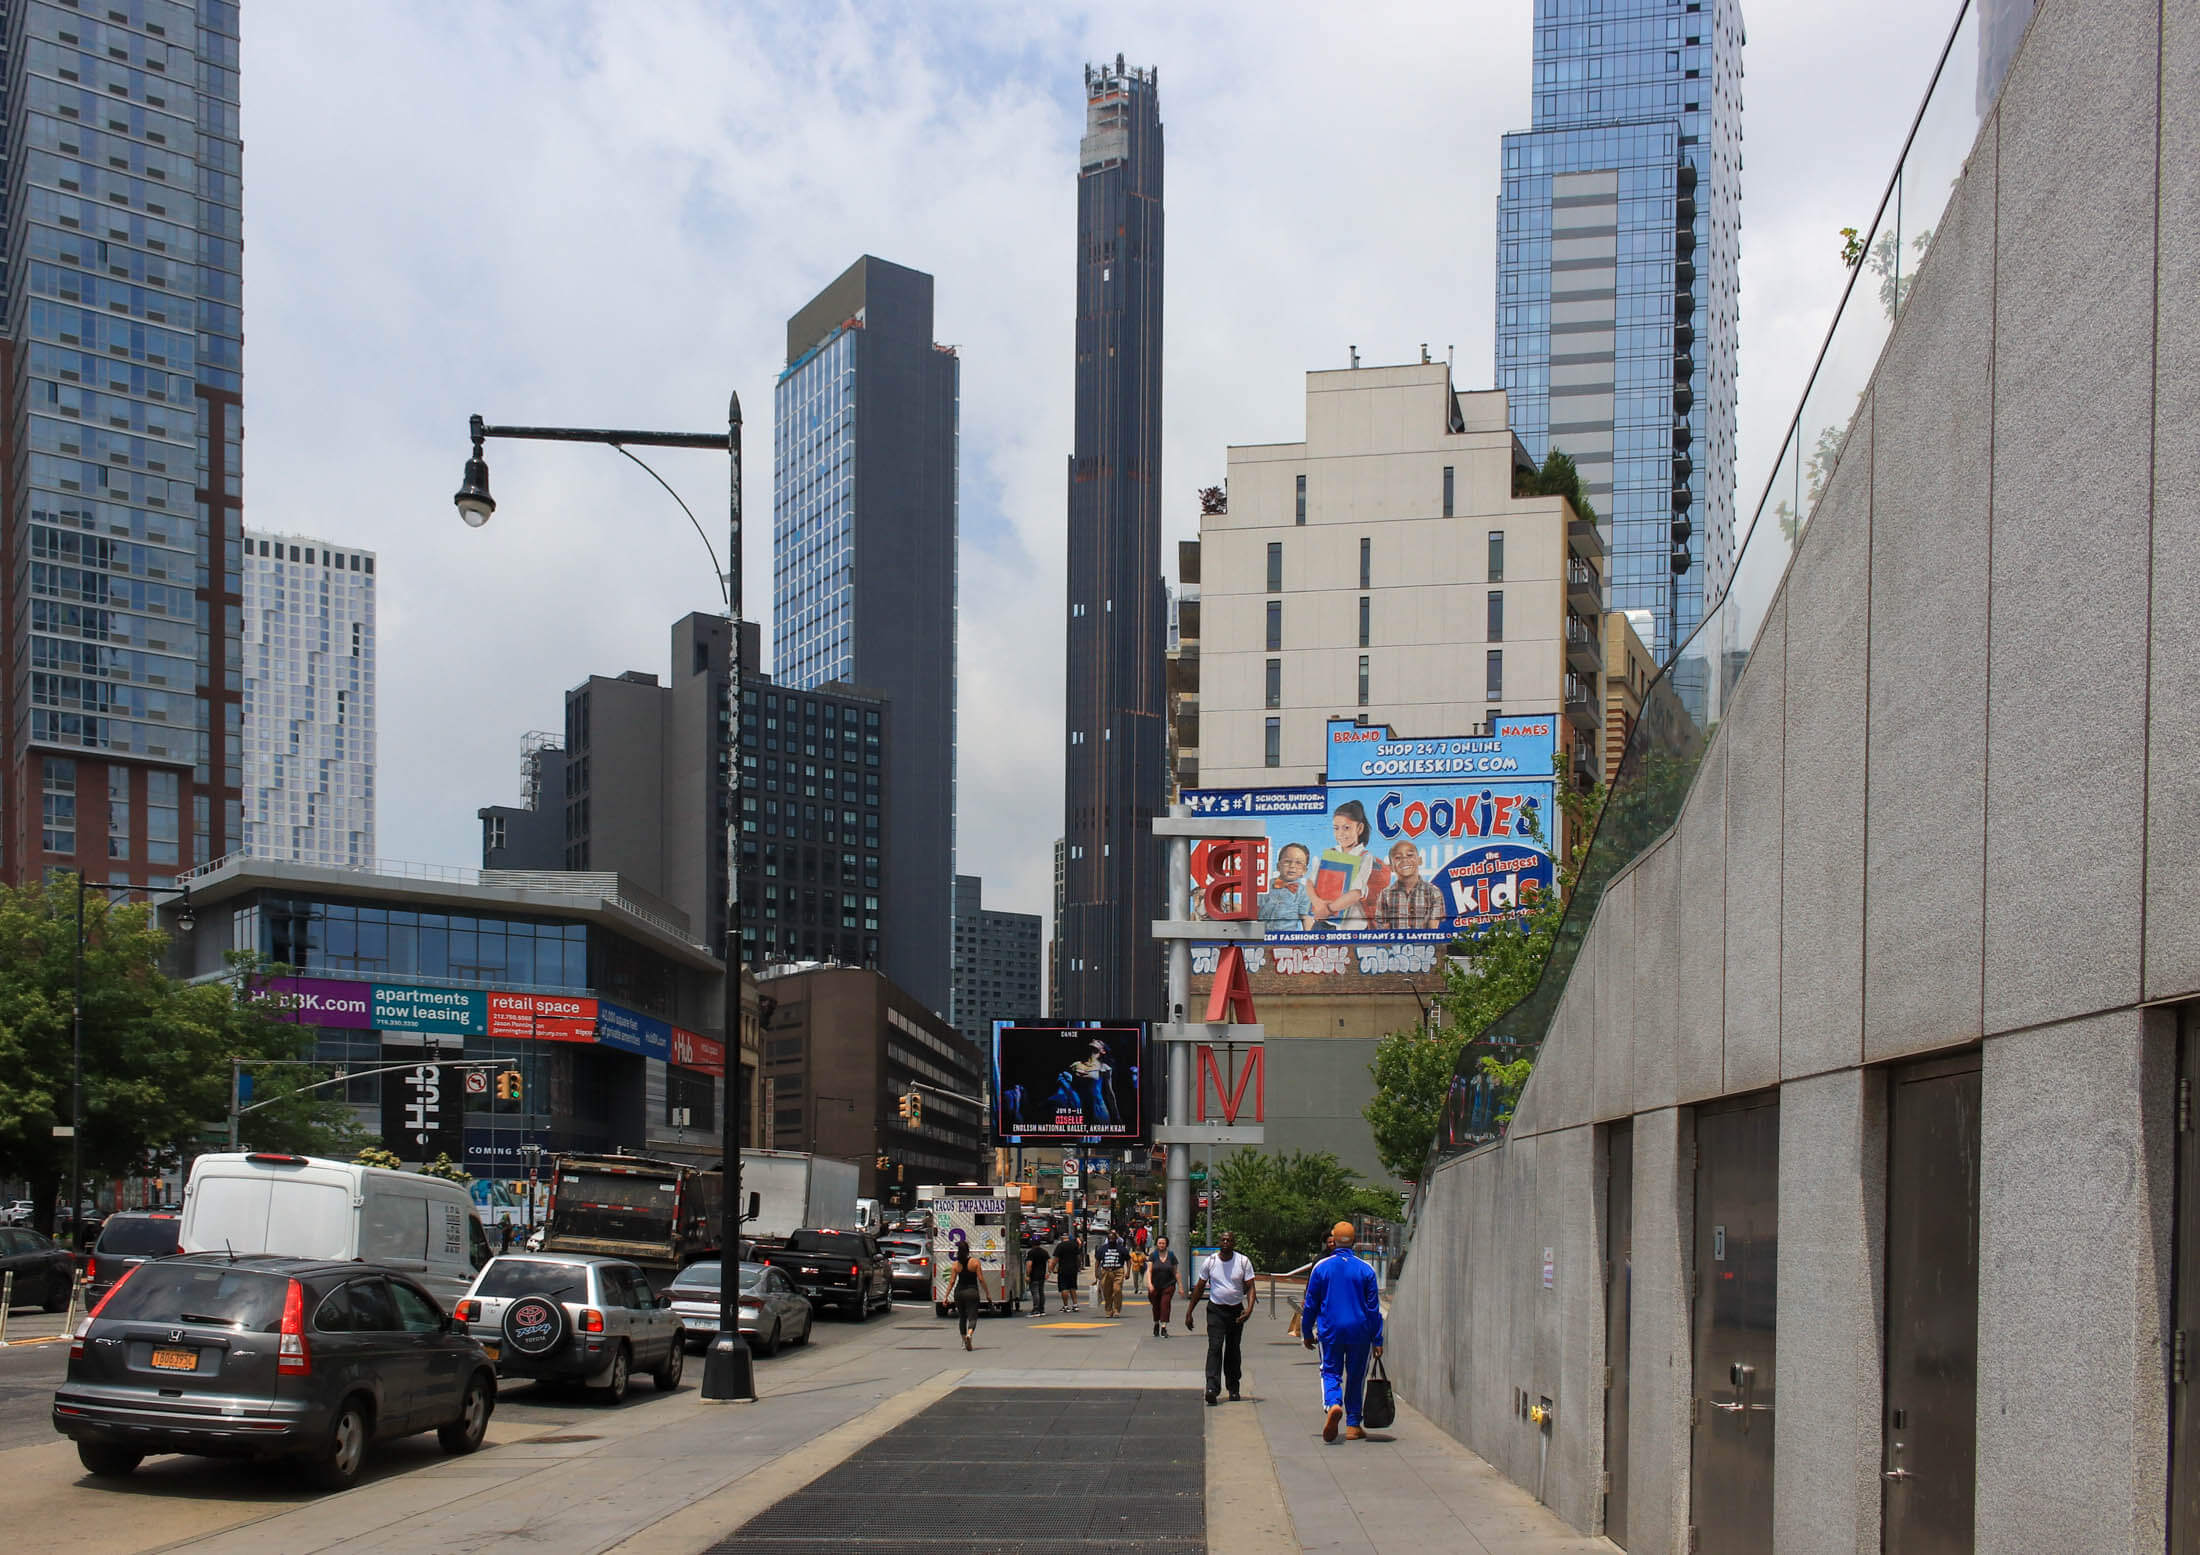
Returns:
point(884, 1162)
point(916, 1109)
point(508, 1085)
point(908, 1112)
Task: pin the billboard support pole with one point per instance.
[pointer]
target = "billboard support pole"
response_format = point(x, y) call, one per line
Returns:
point(1178, 1216)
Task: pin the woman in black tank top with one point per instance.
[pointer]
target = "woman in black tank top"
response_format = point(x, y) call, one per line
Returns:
point(968, 1292)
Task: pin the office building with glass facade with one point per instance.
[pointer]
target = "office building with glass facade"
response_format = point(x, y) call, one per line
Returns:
point(1619, 220)
point(863, 565)
point(121, 510)
point(996, 964)
point(308, 700)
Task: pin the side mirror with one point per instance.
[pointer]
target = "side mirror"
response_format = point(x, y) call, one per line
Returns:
point(664, 1299)
point(756, 1207)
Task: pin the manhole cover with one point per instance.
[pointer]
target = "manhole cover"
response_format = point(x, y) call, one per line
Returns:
point(561, 1441)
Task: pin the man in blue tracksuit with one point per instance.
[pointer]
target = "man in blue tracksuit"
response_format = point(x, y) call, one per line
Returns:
point(1344, 1310)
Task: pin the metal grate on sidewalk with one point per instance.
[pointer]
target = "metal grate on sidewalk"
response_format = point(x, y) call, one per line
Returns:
point(1010, 1471)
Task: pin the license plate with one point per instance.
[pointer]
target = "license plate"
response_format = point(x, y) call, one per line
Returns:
point(492, 1351)
point(176, 1360)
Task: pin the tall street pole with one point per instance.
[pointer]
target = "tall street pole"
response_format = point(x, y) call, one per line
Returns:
point(76, 1083)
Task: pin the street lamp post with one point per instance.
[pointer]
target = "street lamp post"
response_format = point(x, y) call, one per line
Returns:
point(185, 919)
point(728, 1371)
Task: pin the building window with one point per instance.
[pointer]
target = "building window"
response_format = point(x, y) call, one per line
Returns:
point(1275, 625)
point(1449, 486)
point(1275, 682)
point(1274, 751)
point(1363, 620)
point(1497, 555)
point(118, 812)
point(1496, 632)
point(1363, 680)
point(162, 817)
point(1302, 499)
point(1495, 686)
point(60, 811)
point(1367, 561)
point(1275, 566)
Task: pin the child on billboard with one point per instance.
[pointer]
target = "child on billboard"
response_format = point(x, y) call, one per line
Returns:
point(1410, 901)
point(1288, 904)
point(1349, 878)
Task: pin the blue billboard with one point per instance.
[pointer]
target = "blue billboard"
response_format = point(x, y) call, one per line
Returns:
point(1411, 844)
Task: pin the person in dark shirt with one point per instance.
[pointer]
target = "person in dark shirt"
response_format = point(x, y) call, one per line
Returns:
point(1035, 1275)
point(1068, 1256)
point(1114, 1260)
point(1161, 1286)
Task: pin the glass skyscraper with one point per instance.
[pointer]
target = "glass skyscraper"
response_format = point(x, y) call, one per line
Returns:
point(122, 365)
point(864, 452)
point(1619, 222)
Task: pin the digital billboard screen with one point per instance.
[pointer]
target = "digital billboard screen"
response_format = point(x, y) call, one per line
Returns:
point(1069, 1080)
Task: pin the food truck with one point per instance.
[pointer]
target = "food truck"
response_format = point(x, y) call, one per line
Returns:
point(988, 1220)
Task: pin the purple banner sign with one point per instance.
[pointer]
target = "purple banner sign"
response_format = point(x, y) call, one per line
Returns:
point(320, 1001)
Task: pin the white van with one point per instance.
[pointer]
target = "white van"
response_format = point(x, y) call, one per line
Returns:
point(312, 1208)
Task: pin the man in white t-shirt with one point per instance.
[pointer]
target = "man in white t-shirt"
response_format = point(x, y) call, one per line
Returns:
point(1225, 1283)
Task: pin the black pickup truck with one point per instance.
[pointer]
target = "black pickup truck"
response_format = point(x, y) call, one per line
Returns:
point(843, 1269)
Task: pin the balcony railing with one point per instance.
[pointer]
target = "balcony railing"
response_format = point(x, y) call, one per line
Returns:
point(1682, 709)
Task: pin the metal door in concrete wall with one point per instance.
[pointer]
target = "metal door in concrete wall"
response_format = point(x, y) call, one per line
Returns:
point(1737, 1271)
point(1619, 1250)
point(2184, 1396)
point(1930, 1473)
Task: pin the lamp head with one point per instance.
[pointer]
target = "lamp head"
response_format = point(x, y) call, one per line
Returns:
point(186, 918)
point(472, 498)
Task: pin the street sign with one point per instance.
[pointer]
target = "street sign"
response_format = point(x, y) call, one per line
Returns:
point(477, 1082)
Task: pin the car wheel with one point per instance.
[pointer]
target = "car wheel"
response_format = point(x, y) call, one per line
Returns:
point(808, 1323)
point(614, 1391)
point(667, 1376)
point(57, 1292)
point(464, 1434)
point(107, 1460)
point(336, 1464)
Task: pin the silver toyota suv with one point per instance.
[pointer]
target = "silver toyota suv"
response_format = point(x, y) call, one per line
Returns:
point(563, 1317)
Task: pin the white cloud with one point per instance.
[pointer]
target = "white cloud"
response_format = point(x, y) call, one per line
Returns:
point(603, 214)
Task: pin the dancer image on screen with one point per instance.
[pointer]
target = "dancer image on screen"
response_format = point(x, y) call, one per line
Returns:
point(1094, 1080)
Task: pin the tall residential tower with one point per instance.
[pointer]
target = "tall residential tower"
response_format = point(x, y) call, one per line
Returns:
point(1619, 223)
point(1116, 710)
point(121, 366)
point(863, 581)
point(308, 700)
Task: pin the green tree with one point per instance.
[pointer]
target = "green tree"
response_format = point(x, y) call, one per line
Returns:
point(1281, 1206)
point(156, 1050)
point(1557, 478)
point(1485, 976)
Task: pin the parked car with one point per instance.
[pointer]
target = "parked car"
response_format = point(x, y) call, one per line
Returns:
point(564, 1317)
point(263, 1356)
point(773, 1312)
point(838, 1268)
point(909, 1265)
point(20, 1213)
point(43, 1272)
point(128, 1239)
point(268, 1202)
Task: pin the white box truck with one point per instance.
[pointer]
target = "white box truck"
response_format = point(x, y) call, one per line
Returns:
point(797, 1191)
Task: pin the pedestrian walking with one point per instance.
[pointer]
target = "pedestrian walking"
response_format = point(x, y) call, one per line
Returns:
point(1036, 1258)
point(1225, 1283)
point(1138, 1270)
point(968, 1292)
point(507, 1236)
point(1344, 1311)
point(1068, 1257)
point(1161, 1291)
point(1115, 1262)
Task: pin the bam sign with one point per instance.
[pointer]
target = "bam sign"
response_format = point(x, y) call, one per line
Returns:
point(1230, 1081)
point(1217, 1076)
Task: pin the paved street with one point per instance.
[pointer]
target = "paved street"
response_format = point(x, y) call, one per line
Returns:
point(1057, 1434)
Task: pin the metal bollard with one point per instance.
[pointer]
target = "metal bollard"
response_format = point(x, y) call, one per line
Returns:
point(75, 1317)
point(7, 1302)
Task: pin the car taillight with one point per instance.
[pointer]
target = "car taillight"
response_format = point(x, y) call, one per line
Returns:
point(91, 1270)
point(469, 1311)
point(291, 1356)
point(591, 1321)
point(924, 1263)
point(854, 1272)
point(76, 1340)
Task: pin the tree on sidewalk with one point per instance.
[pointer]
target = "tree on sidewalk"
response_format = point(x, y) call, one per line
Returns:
point(1281, 1206)
point(156, 1049)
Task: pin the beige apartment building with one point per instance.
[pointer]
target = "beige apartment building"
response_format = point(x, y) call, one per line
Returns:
point(1384, 567)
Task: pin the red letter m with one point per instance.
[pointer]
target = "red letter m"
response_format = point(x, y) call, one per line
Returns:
point(1230, 1098)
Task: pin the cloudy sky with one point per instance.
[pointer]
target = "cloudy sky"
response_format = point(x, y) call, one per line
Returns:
point(602, 214)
